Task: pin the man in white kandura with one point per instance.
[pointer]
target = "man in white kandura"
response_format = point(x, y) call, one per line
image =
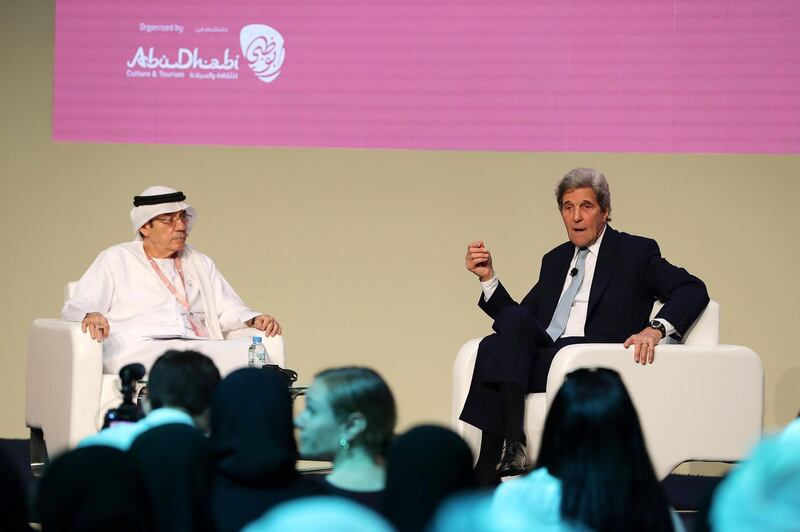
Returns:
point(156, 293)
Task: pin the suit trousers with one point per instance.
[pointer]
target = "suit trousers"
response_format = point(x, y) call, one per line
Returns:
point(519, 353)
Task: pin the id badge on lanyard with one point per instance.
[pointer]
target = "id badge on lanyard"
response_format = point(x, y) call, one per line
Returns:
point(197, 323)
point(196, 320)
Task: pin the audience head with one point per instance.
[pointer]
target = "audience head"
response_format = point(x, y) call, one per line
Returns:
point(185, 380)
point(592, 441)
point(177, 465)
point(763, 493)
point(95, 488)
point(251, 429)
point(475, 512)
point(426, 465)
point(332, 514)
point(13, 503)
point(347, 408)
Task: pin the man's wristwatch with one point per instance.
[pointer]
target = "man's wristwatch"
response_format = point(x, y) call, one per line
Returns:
point(655, 324)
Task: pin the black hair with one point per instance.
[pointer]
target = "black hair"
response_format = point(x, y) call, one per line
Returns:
point(183, 379)
point(593, 443)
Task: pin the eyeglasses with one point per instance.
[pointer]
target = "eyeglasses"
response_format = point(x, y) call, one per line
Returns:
point(172, 219)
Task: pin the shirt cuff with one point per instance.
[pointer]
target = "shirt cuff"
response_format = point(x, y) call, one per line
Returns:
point(489, 287)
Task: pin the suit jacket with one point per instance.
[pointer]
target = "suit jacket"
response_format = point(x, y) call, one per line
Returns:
point(629, 276)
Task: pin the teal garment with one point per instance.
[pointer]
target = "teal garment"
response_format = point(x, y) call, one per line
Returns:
point(534, 500)
point(763, 493)
point(521, 504)
point(332, 514)
point(121, 436)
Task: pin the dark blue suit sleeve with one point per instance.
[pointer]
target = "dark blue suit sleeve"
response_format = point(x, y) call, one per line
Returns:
point(684, 295)
point(501, 299)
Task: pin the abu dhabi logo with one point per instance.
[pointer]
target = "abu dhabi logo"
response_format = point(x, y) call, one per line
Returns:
point(263, 48)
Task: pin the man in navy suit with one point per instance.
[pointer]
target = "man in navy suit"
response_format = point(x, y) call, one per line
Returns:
point(598, 287)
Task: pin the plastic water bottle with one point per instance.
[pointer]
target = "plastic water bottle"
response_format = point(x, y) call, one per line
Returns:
point(257, 353)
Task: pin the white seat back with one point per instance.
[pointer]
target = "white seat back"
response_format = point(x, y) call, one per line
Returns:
point(704, 330)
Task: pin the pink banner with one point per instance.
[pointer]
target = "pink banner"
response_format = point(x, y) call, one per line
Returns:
point(580, 75)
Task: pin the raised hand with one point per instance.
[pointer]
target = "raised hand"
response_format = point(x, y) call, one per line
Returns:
point(479, 261)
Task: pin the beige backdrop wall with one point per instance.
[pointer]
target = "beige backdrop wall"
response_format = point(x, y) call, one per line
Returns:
point(360, 252)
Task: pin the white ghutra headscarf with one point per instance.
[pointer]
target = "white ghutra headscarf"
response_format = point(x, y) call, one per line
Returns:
point(159, 200)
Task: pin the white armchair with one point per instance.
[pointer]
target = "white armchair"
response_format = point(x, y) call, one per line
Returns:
point(699, 401)
point(67, 393)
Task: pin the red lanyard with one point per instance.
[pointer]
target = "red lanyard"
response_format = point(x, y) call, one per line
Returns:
point(183, 300)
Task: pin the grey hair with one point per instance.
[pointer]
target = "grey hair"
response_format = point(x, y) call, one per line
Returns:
point(586, 178)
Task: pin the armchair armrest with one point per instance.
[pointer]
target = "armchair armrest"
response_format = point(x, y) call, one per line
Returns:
point(63, 382)
point(694, 402)
point(463, 367)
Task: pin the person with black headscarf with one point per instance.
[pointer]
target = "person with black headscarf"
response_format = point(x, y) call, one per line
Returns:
point(177, 464)
point(254, 448)
point(426, 465)
point(593, 470)
point(95, 488)
point(13, 503)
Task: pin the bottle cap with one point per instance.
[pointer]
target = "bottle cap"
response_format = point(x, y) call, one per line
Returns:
point(256, 339)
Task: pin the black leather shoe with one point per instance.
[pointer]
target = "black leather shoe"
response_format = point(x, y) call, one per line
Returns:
point(513, 461)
